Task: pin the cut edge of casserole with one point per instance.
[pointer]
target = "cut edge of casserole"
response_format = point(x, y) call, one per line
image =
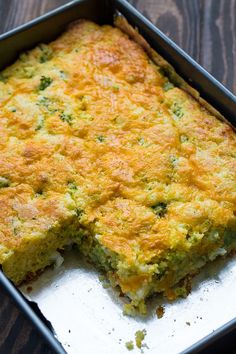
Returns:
point(100, 149)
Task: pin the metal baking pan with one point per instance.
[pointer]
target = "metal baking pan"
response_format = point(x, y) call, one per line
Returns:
point(72, 297)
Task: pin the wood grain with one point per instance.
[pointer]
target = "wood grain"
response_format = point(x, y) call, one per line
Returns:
point(219, 35)
point(206, 29)
point(16, 333)
point(16, 12)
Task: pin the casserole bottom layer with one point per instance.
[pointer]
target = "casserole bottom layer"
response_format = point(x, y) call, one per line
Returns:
point(138, 281)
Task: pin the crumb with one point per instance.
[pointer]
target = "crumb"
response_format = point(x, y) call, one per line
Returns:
point(131, 310)
point(89, 290)
point(105, 282)
point(188, 323)
point(69, 331)
point(106, 285)
point(101, 278)
point(29, 289)
point(160, 311)
point(128, 310)
point(139, 337)
point(129, 345)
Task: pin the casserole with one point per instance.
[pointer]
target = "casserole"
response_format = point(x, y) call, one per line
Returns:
point(71, 168)
point(226, 93)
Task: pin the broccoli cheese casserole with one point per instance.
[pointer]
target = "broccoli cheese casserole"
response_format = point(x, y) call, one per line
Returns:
point(100, 149)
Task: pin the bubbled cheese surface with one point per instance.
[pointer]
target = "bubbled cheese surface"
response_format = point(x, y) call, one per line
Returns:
point(91, 129)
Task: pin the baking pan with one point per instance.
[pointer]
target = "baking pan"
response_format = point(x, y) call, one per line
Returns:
point(32, 313)
point(44, 29)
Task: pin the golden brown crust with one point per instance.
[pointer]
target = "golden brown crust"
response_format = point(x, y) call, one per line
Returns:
point(88, 128)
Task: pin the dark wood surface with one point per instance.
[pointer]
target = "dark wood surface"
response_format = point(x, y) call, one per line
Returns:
point(206, 29)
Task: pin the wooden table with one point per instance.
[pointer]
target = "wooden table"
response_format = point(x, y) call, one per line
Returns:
point(206, 29)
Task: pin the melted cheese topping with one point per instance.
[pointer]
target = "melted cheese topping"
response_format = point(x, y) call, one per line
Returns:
point(90, 128)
